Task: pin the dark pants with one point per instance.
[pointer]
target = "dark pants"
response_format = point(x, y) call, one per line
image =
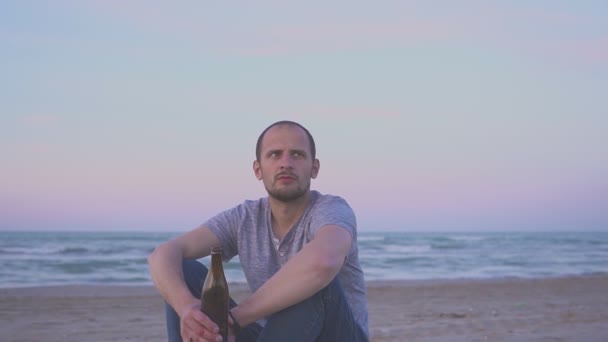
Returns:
point(326, 316)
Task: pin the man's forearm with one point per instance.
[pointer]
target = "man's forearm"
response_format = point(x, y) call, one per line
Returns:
point(167, 274)
point(306, 273)
point(166, 264)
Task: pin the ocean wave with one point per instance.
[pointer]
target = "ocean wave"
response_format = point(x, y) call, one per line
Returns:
point(89, 266)
point(448, 245)
point(121, 258)
point(73, 250)
point(467, 238)
point(407, 249)
point(14, 250)
point(369, 238)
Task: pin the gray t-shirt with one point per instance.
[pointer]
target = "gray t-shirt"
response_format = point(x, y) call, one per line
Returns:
point(246, 231)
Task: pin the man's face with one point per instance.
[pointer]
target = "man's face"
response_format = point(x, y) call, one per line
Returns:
point(286, 165)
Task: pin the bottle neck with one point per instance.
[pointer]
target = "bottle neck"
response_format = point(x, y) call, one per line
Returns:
point(216, 261)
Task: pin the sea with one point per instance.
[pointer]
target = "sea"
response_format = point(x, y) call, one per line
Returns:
point(29, 259)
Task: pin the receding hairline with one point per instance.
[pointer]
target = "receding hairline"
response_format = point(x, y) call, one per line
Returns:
point(311, 141)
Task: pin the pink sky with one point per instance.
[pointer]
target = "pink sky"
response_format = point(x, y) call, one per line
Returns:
point(143, 115)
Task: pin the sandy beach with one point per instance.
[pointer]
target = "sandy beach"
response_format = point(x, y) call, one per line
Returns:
point(562, 309)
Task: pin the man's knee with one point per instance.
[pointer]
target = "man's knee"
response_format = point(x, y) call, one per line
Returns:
point(194, 275)
point(333, 291)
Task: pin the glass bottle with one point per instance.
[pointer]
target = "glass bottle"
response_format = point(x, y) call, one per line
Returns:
point(214, 295)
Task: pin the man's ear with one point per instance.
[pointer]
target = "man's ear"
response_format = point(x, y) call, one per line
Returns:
point(316, 165)
point(257, 170)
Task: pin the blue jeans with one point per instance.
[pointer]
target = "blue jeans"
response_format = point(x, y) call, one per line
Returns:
point(326, 316)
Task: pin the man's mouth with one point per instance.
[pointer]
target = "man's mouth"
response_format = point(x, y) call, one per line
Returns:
point(285, 177)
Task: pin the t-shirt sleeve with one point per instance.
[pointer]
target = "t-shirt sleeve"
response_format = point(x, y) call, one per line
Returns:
point(225, 226)
point(333, 210)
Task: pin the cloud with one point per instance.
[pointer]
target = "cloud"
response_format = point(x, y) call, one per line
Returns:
point(299, 39)
point(269, 29)
point(338, 112)
point(549, 34)
point(39, 120)
point(592, 51)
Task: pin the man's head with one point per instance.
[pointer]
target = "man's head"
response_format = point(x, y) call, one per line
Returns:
point(286, 160)
point(258, 145)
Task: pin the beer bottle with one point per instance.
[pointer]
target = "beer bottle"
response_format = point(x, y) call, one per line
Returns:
point(214, 296)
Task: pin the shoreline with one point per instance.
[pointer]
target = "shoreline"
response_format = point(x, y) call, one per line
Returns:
point(573, 308)
point(372, 283)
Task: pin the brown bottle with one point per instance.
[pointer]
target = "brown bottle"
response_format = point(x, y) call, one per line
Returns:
point(214, 296)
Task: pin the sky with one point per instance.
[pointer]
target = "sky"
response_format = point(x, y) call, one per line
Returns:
point(428, 115)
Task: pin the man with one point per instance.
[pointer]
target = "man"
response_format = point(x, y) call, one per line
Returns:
point(298, 249)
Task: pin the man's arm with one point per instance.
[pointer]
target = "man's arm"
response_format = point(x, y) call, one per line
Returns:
point(166, 271)
point(305, 274)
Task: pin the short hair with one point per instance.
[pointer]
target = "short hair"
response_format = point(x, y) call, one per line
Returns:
point(258, 145)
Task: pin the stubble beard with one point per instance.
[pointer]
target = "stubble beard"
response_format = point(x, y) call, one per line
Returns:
point(288, 195)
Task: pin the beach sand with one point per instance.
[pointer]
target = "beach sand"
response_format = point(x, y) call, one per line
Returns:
point(563, 309)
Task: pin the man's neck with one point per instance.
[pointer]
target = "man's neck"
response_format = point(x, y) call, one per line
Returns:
point(285, 214)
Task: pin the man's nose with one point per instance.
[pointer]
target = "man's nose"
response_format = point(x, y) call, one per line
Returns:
point(287, 161)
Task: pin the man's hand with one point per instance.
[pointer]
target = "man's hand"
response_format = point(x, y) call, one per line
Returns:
point(196, 326)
